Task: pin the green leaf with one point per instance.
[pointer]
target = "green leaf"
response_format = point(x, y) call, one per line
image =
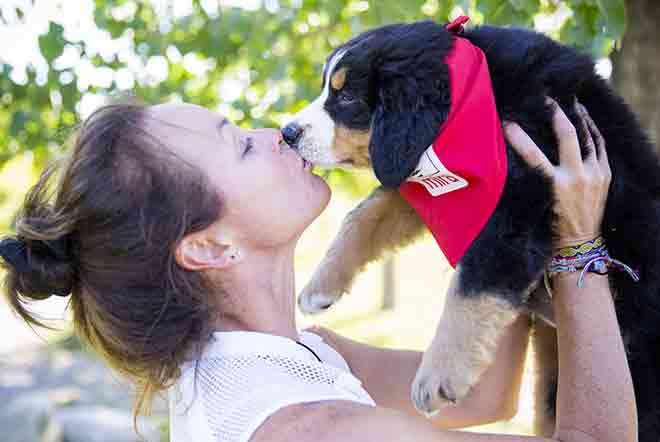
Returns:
point(527, 6)
point(615, 17)
point(52, 43)
point(282, 51)
point(18, 121)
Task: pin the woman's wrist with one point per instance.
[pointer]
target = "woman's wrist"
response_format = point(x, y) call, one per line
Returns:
point(582, 259)
point(571, 278)
point(573, 240)
point(565, 285)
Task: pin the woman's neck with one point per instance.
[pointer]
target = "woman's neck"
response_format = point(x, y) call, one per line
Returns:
point(258, 294)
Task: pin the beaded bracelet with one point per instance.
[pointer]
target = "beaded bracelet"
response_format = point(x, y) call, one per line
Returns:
point(589, 256)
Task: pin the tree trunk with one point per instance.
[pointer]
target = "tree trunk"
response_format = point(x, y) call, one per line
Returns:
point(636, 66)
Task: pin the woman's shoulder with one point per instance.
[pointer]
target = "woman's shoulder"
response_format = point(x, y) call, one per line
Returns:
point(311, 422)
point(243, 379)
point(352, 422)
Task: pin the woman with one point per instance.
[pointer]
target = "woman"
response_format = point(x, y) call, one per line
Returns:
point(174, 232)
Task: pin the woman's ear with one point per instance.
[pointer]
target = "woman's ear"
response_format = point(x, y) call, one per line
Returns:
point(199, 251)
point(413, 98)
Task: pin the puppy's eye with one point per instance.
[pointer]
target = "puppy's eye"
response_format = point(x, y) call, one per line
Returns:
point(347, 97)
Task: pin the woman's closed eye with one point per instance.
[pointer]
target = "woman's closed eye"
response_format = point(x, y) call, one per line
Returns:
point(249, 144)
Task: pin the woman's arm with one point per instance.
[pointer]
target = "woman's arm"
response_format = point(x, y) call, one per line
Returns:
point(594, 379)
point(387, 375)
point(595, 399)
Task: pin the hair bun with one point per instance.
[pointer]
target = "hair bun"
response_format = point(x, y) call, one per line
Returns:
point(39, 268)
point(14, 253)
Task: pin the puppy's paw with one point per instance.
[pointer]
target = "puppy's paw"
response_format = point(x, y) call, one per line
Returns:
point(436, 389)
point(312, 302)
point(329, 283)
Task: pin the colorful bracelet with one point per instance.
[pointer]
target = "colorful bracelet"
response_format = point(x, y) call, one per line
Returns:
point(589, 256)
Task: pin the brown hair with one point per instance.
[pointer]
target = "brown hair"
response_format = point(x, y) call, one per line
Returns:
point(106, 232)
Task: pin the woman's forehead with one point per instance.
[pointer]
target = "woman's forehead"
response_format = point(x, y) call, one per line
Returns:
point(180, 113)
point(186, 116)
point(189, 130)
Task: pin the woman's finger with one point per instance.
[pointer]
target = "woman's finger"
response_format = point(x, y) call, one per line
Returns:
point(569, 147)
point(590, 158)
point(604, 161)
point(527, 149)
point(601, 151)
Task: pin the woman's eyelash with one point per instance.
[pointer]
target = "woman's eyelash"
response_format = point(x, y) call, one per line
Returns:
point(249, 144)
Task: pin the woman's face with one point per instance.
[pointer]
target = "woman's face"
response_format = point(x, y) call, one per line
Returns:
point(268, 192)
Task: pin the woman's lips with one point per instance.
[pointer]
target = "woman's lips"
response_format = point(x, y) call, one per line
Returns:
point(304, 164)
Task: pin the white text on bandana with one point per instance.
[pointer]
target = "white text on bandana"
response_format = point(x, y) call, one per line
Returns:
point(434, 176)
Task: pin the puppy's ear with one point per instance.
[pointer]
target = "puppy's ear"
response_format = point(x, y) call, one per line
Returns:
point(413, 99)
point(399, 138)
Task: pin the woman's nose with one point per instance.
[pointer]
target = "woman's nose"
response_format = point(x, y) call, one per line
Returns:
point(292, 133)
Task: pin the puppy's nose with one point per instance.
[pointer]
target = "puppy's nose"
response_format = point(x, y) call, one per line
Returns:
point(292, 133)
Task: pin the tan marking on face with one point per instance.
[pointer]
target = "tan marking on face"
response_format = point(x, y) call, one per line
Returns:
point(338, 79)
point(352, 145)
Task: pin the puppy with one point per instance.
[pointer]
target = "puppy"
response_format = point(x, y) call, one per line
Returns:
point(385, 96)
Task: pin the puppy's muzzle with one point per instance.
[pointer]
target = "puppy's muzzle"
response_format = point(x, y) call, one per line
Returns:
point(292, 133)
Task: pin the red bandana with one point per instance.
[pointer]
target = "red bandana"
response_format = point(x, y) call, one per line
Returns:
point(459, 179)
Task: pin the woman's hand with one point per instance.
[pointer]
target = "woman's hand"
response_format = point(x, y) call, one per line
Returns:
point(580, 186)
point(334, 340)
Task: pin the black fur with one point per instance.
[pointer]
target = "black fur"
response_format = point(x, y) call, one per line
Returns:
point(398, 77)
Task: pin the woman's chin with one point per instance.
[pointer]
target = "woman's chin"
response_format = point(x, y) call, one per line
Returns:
point(319, 198)
point(327, 193)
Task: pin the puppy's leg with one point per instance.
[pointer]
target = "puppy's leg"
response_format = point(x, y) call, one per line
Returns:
point(382, 222)
point(463, 347)
point(544, 345)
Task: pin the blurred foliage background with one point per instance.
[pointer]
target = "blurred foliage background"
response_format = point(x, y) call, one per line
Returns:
point(258, 62)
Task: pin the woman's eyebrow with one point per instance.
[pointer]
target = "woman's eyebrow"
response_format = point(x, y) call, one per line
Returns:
point(221, 124)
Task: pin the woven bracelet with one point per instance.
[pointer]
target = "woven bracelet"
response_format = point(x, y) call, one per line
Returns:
point(590, 256)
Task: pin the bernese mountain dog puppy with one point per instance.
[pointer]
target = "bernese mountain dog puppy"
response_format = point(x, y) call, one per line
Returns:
point(385, 95)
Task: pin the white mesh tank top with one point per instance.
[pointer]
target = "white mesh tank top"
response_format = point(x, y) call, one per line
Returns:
point(244, 377)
